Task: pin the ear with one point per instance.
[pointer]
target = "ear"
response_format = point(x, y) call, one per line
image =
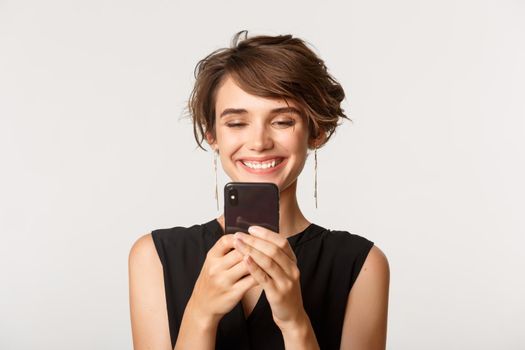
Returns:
point(211, 140)
point(319, 140)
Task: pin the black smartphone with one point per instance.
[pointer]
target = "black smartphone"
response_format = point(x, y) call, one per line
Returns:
point(251, 203)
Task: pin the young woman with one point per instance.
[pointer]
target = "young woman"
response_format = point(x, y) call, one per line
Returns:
point(261, 105)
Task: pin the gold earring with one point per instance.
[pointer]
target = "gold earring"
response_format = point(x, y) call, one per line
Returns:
point(215, 152)
point(315, 176)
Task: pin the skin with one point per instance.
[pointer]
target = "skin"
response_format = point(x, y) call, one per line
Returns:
point(261, 260)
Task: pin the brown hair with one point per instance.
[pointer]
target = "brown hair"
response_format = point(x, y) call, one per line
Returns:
point(272, 67)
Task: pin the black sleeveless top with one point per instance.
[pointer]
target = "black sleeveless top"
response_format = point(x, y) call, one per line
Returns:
point(329, 263)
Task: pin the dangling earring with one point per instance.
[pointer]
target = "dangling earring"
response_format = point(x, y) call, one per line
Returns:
point(215, 152)
point(315, 176)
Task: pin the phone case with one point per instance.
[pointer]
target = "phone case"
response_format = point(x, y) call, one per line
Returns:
point(251, 203)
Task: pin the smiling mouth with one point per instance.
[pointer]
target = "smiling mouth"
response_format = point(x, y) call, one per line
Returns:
point(263, 165)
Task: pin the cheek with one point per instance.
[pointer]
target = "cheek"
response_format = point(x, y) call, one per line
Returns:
point(228, 145)
point(295, 142)
point(225, 138)
point(230, 142)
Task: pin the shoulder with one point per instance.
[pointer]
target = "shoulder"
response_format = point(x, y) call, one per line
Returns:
point(180, 233)
point(345, 239)
point(377, 261)
point(375, 273)
point(177, 232)
point(348, 246)
point(182, 244)
point(143, 249)
point(151, 247)
point(143, 257)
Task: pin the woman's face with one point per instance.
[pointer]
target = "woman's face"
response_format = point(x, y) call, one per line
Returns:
point(259, 139)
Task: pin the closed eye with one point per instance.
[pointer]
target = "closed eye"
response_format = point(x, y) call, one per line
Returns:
point(285, 122)
point(234, 125)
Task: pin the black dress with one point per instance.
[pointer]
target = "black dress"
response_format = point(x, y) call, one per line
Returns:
point(329, 263)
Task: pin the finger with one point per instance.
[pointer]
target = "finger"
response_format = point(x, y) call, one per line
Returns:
point(230, 259)
point(275, 238)
point(222, 246)
point(259, 275)
point(245, 284)
point(237, 272)
point(264, 262)
point(268, 248)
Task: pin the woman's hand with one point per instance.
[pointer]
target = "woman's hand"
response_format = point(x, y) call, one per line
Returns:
point(272, 263)
point(222, 282)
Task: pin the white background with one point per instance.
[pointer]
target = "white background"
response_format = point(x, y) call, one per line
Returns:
point(95, 151)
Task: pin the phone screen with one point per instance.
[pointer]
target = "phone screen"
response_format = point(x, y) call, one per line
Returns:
point(251, 203)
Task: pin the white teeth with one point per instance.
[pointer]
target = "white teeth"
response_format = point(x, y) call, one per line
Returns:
point(254, 165)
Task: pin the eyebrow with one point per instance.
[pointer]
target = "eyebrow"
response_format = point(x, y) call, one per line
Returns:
point(279, 110)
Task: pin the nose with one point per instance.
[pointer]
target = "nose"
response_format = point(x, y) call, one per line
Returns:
point(260, 138)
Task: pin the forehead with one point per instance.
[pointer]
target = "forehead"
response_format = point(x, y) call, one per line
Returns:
point(231, 95)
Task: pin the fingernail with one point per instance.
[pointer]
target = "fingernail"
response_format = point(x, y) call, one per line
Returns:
point(254, 229)
point(239, 242)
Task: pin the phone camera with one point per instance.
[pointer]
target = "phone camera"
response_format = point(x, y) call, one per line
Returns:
point(233, 197)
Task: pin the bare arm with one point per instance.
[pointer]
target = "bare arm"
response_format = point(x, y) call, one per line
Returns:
point(365, 322)
point(221, 284)
point(149, 317)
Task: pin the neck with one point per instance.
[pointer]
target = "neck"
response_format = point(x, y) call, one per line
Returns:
point(291, 219)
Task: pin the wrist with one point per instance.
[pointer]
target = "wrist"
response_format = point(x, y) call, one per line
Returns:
point(299, 321)
point(197, 330)
point(299, 333)
point(199, 318)
point(295, 328)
